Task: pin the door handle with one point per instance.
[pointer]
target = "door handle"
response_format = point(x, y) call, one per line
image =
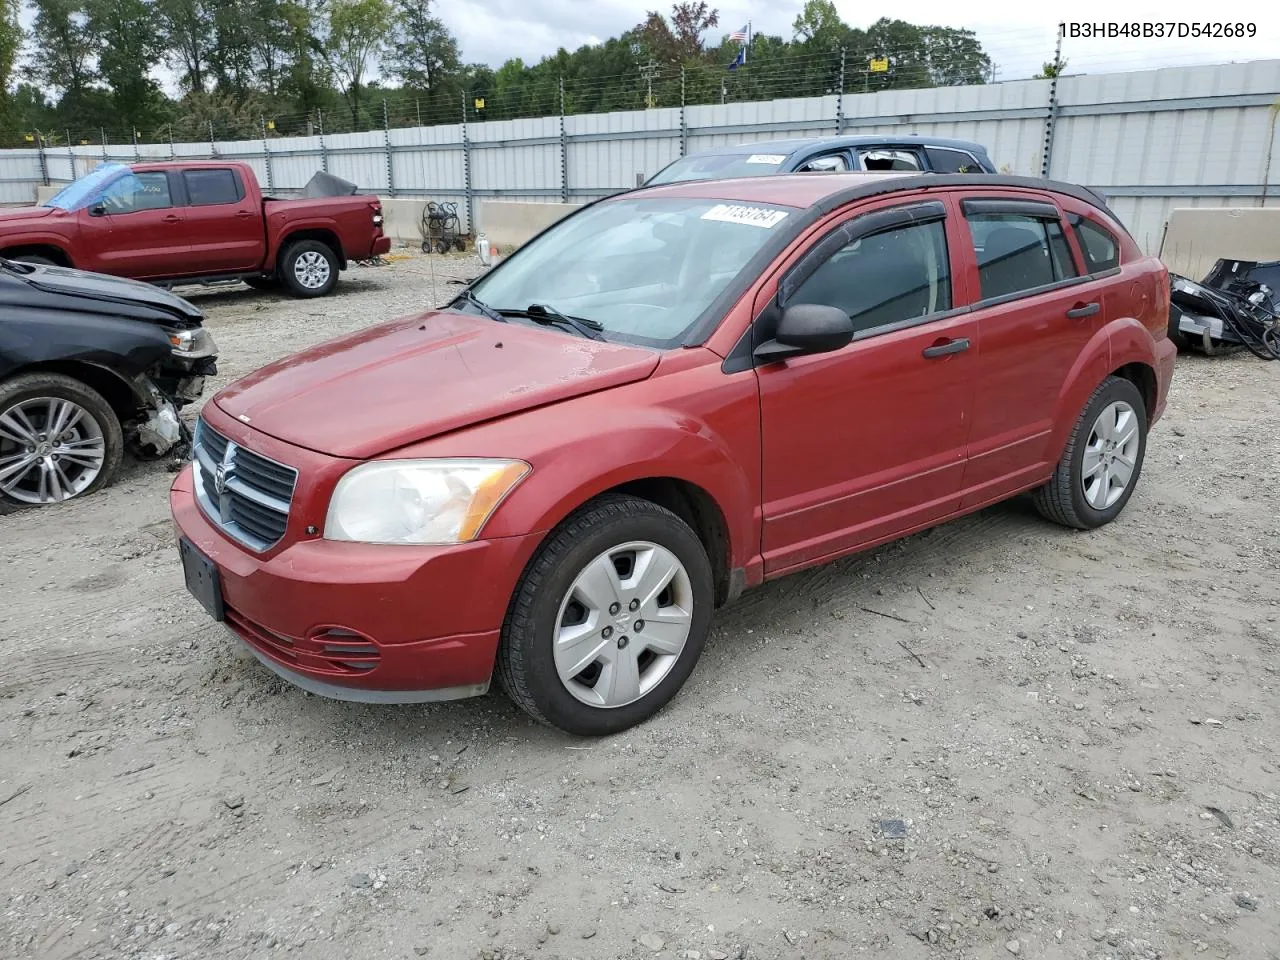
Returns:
point(171, 218)
point(244, 214)
point(944, 349)
point(1082, 310)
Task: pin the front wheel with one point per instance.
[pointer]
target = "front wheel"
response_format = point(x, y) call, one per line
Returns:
point(309, 268)
point(58, 440)
point(609, 618)
point(1102, 462)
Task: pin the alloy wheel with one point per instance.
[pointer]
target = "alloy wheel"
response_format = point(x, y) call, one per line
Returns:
point(51, 450)
point(311, 269)
point(1110, 455)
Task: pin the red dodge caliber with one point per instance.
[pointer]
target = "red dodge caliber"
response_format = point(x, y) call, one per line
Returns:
point(672, 395)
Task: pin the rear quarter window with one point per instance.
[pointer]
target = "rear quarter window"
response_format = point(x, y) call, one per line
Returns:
point(1099, 245)
point(946, 160)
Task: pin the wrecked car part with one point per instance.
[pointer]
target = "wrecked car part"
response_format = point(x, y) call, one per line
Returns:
point(1231, 308)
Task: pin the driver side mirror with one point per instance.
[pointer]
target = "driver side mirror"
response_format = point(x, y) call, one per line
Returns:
point(98, 209)
point(807, 328)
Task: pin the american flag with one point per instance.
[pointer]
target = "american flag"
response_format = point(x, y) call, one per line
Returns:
point(740, 35)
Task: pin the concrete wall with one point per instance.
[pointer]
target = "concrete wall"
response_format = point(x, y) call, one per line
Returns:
point(1197, 237)
point(510, 223)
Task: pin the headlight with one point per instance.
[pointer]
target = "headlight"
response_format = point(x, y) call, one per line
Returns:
point(182, 341)
point(419, 501)
point(191, 344)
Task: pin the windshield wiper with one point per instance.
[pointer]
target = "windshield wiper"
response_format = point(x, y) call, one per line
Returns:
point(488, 311)
point(548, 315)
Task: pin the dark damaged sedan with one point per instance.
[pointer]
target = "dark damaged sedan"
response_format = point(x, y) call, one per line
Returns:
point(90, 365)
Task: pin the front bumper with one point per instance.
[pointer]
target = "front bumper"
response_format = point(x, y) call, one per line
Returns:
point(381, 624)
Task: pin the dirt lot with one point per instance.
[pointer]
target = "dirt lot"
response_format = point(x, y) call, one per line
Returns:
point(1078, 732)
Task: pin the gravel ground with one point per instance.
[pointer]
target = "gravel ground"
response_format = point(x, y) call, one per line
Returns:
point(1075, 735)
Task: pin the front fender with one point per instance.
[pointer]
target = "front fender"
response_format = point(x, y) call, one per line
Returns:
point(10, 240)
point(640, 444)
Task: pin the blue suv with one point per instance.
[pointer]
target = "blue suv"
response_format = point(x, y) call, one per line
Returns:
point(928, 154)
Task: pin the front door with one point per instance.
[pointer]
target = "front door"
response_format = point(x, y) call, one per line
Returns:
point(1035, 313)
point(135, 230)
point(226, 229)
point(868, 442)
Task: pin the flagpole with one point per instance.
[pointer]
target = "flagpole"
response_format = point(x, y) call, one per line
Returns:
point(748, 46)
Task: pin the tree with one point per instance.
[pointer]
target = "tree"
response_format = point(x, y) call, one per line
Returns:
point(819, 22)
point(131, 42)
point(689, 21)
point(187, 30)
point(357, 29)
point(422, 50)
point(1051, 70)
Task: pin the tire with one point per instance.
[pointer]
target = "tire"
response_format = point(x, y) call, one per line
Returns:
point(1067, 499)
point(97, 430)
point(547, 598)
point(303, 268)
point(265, 284)
point(442, 246)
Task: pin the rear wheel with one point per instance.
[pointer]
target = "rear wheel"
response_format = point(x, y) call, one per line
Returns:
point(609, 619)
point(309, 268)
point(1102, 462)
point(58, 439)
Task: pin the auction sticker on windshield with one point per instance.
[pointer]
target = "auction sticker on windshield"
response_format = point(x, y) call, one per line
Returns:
point(751, 216)
point(772, 159)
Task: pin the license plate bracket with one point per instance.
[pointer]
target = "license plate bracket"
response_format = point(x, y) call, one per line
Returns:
point(203, 581)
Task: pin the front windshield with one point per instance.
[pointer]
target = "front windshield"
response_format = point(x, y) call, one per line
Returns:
point(80, 192)
point(720, 166)
point(644, 269)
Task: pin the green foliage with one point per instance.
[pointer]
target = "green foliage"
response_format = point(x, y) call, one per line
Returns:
point(304, 65)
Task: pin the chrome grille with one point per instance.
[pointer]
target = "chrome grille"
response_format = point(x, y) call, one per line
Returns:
point(244, 493)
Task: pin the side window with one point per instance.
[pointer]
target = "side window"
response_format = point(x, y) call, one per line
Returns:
point(1017, 252)
point(889, 159)
point(885, 278)
point(138, 191)
point(1101, 251)
point(945, 160)
point(829, 162)
point(210, 187)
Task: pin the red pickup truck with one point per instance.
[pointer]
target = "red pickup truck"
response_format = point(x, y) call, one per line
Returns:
point(195, 222)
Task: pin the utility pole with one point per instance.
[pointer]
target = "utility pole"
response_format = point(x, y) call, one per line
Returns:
point(647, 73)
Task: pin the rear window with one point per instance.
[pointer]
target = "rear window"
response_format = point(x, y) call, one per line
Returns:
point(209, 187)
point(721, 166)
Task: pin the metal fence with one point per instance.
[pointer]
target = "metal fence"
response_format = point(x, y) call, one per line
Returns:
point(1148, 140)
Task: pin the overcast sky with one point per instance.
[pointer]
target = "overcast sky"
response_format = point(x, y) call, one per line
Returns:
point(1018, 37)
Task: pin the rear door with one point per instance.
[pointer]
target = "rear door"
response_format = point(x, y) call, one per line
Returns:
point(137, 229)
point(226, 229)
point(1036, 311)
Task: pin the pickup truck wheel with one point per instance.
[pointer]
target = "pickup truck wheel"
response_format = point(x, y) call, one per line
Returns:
point(609, 618)
point(309, 268)
point(1102, 462)
point(58, 439)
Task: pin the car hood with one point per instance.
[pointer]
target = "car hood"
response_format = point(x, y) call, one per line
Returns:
point(106, 289)
point(14, 214)
point(422, 376)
